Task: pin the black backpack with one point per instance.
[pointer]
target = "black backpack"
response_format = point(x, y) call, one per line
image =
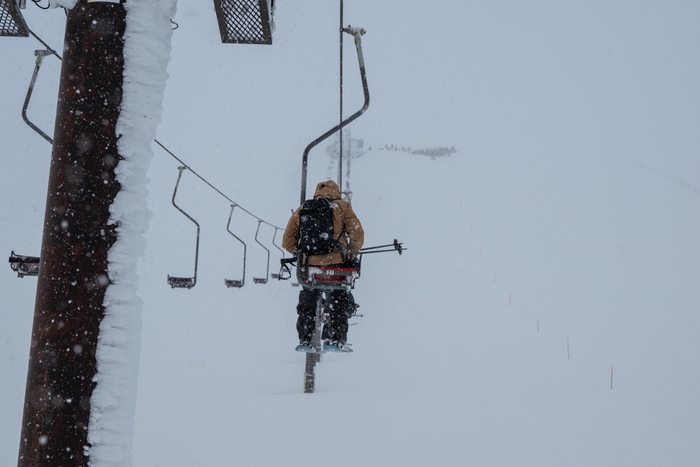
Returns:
point(316, 227)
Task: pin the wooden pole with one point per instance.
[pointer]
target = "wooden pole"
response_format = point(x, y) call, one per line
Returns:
point(77, 235)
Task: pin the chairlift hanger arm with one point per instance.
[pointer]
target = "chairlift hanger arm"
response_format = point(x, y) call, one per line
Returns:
point(356, 32)
point(178, 281)
point(40, 54)
point(273, 242)
point(260, 280)
point(274, 236)
point(236, 283)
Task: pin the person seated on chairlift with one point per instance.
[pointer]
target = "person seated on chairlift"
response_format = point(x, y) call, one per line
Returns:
point(348, 238)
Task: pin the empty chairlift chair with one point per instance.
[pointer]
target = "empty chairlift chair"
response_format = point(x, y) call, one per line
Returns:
point(24, 265)
point(275, 275)
point(244, 21)
point(11, 21)
point(262, 280)
point(234, 282)
point(185, 282)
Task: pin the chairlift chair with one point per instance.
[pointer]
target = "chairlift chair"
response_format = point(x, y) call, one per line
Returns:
point(276, 275)
point(24, 265)
point(318, 277)
point(40, 54)
point(261, 280)
point(11, 20)
point(234, 282)
point(185, 282)
point(244, 21)
point(327, 277)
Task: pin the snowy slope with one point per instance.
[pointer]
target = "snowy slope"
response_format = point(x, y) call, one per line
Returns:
point(543, 230)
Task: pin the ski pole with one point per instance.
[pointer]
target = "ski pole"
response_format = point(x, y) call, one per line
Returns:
point(397, 247)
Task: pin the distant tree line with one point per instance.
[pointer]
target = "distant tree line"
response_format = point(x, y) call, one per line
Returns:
point(432, 152)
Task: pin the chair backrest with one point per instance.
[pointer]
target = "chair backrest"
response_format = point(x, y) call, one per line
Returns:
point(327, 277)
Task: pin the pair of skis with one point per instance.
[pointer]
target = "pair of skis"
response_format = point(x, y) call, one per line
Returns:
point(326, 348)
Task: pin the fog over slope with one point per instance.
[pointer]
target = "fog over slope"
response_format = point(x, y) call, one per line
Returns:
point(559, 243)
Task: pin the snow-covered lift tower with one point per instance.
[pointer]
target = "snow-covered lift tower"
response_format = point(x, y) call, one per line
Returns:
point(73, 270)
point(11, 20)
point(244, 21)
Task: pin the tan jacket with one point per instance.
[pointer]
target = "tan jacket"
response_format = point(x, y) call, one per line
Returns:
point(351, 238)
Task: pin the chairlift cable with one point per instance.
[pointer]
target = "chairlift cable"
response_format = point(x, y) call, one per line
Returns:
point(45, 44)
point(213, 187)
point(52, 51)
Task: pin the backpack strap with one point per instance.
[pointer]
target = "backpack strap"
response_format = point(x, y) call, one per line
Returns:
point(338, 245)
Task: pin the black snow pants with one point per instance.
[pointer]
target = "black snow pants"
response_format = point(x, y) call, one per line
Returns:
point(337, 327)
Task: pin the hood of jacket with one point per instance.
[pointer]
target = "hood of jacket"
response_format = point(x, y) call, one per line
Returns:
point(327, 189)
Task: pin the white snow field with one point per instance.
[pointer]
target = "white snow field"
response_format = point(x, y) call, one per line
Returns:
point(547, 310)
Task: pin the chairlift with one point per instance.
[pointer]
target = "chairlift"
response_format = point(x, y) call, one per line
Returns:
point(356, 33)
point(244, 21)
point(276, 275)
point(24, 265)
point(233, 282)
point(40, 54)
point(185, 282)
point(260, 280)
point(11, 20)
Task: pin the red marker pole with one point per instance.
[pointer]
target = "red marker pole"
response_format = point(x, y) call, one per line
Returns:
point(612, 368)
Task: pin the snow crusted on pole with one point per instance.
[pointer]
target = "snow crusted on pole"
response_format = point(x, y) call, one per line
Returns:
point(113, 402)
